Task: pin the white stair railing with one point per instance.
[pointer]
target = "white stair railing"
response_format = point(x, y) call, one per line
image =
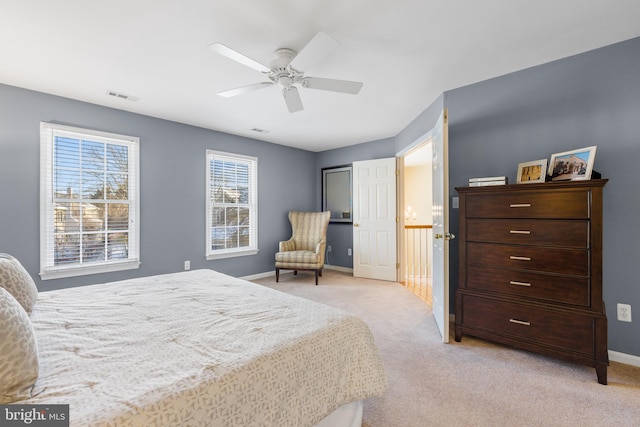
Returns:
point(417, 263)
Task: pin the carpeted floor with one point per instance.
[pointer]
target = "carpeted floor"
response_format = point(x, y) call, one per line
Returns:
point(471, 383)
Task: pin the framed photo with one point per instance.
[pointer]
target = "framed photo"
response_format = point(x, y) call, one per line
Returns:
point(572, 165)
point(530, 172)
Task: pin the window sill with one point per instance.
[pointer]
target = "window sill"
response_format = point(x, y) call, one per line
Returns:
point(231, 254)
point(86, 270)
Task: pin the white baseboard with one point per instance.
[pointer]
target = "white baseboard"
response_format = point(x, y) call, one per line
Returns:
point(261, 275)
point(627, 359)
point(338, 268)
point(273, 273)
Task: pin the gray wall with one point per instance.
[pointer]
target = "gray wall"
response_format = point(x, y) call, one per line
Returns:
point(588, 99)
point(419, 126)
point(172, 180)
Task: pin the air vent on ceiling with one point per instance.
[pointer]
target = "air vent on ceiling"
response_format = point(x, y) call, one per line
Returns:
point(259, 130)
point(122, 96)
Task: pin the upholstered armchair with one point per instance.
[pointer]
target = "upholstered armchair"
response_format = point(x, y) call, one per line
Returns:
point(305, 249)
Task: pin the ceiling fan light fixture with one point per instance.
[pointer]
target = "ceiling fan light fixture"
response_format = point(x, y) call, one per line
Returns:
point(285, 81)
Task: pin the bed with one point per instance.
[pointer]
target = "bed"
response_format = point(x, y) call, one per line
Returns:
point(200, 348)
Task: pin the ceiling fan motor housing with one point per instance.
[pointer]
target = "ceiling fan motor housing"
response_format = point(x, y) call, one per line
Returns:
point(281, 73)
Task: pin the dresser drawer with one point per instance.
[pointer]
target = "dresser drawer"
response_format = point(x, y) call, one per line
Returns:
point(545, 287)
point(540, 204)
point(552, 260)
point(565, 233)
point(570, 331)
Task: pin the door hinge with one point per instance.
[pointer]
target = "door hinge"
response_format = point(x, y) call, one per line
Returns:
point(397, 219)
point(397, 172)
point(397, 265)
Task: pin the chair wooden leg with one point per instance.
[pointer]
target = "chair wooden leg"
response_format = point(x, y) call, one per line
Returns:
point(277, 274)
point(295, 272)
point(317, 271)
point(320, 272)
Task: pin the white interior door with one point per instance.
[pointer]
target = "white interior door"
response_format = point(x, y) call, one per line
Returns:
point(374, 219)
point(441, 234)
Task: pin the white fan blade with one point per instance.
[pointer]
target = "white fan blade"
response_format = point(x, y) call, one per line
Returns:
point(333, 85)
point(244, 89)
point(238, 57)
point(292, 99)
point(318, 48)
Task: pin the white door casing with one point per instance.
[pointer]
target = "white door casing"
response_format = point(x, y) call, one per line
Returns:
point(374, 219)
point(440, 207)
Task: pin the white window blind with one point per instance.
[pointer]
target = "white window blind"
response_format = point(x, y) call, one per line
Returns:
point(232, 217)
point(89, 205)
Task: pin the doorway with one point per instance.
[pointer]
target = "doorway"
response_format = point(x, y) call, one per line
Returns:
point(417, 233)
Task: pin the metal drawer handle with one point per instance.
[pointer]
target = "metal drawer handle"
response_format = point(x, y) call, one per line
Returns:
point(520, 322)
point(520, 205)
point(513, 282)
point(519, 232)
point(520, 258)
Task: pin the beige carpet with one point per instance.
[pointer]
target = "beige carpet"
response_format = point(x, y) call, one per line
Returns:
point(471, 383)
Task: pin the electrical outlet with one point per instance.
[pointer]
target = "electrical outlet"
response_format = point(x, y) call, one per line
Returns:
point(624, 312)
point(187, 265)
point(329, 248)
point(349, 251)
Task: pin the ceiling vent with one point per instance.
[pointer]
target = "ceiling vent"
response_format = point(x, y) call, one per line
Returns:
point(123, 96)
point(259, 130)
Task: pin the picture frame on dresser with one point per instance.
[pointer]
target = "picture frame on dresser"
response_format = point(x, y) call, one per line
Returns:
point(574, 165)
point(532, 172)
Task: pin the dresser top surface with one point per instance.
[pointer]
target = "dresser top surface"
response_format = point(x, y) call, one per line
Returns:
point(536, 186)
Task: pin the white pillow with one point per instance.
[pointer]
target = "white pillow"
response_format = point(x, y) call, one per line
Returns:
point(18, 351)
point(15, 279)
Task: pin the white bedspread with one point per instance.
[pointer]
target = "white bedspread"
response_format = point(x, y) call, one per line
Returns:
point(199, 348)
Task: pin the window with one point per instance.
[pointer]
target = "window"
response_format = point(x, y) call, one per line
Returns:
point(89, 205)
point(232, 217)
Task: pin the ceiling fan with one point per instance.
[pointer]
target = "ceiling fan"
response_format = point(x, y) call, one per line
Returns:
point(285, 71)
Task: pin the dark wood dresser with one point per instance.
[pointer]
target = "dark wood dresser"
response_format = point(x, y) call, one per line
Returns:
point(531, 269)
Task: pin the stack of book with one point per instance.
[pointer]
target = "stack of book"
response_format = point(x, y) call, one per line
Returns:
point(490, 180)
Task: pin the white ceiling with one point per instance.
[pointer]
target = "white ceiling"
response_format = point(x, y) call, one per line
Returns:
point(407, 52)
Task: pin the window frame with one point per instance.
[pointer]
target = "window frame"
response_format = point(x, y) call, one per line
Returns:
point(252, 249)
point(48, 269)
